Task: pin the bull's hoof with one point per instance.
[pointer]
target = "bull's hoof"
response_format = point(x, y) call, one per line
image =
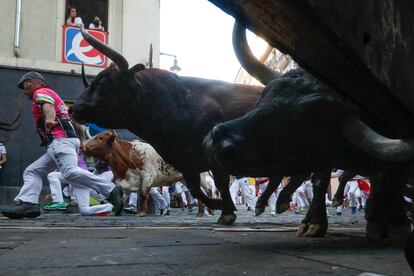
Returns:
point(376, 231)
point(337, 202)
point(228, 219)
point(199, 214)
point(142, 214)
point(303, 227)
point(282, 207)
point(316, 230)
point(398, 234)
point(259, 209)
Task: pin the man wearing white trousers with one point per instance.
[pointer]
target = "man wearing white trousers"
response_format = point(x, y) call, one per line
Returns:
point(165, 191)
point(241, 182)
point(304, 195)
point(57, 133)
point(81, 192)
point(156, 196)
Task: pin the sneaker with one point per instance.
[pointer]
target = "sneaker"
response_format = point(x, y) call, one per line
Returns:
point(338, 214)
point(273, 213)
point(56, 206)
point(249, 209)
point(115, 198)
point(167, 213)
point(161, 211)
point(131, 209)
point(360, 208)
point(353, 210)
point(21, 210)
point(190, 209)
point(301, 210)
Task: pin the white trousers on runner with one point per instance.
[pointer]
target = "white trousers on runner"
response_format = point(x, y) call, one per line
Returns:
point(272, 198)
point(82, 194)
point(249, 196)
point(166, 195)
point(158, 198)
point(351, 189)
point(154, 193)
point(61, 154)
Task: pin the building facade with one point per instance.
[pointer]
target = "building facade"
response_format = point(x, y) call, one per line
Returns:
point(32, 39)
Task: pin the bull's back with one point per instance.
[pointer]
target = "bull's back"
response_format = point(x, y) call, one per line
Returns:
point(232, 100)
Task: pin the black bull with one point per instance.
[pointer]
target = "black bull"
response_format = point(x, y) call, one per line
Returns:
point(301, 125)
point(171, 113)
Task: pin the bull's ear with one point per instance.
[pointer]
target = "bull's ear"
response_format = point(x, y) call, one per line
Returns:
point(136, 68)
point(131, 72)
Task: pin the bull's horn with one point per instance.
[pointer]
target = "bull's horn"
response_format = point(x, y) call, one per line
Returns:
point(116, 57)
point(362, 136)
point(246, 58)
point(84, 78)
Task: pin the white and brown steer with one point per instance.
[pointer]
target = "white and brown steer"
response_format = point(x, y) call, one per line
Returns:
point(136, 165)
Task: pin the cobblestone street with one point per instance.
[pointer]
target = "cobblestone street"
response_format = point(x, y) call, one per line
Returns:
point(183, 244)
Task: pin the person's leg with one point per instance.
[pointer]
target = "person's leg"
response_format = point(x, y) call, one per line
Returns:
point(353, 187)
point(82, 194)
point(156, 195)
point(132, 204)
point(133, 199)
point(32, 177)
point(108, 175)
point(26, 202)
point(309, 191)
point(272, 203)
point(64, 151)
point(302, 201)
point(167, 198)
point(55, 183)
point(234, 189)
point(251, 199)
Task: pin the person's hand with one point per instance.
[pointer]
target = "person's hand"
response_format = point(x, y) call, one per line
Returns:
point(49, 124)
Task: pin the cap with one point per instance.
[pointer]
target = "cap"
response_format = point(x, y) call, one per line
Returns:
point(32, 75)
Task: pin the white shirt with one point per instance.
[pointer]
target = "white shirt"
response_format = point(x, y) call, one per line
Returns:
point(78, 21)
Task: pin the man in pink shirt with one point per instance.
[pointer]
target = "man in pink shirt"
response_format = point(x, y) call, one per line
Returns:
point(57, 133)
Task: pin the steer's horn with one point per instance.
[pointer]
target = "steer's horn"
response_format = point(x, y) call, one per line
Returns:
point(246, 58)
point(84, 78)
point(362, 136)
point(116, 57)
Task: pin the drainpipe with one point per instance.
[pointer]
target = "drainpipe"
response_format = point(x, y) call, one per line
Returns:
point(17, 31)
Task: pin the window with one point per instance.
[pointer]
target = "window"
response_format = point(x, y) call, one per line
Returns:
point(87, 10)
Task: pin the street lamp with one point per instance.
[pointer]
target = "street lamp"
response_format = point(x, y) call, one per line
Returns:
point(175, 68)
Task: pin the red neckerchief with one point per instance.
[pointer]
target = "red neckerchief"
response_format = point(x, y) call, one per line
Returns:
point(72, 19)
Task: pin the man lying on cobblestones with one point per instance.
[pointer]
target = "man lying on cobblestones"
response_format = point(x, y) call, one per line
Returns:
point(57, 133)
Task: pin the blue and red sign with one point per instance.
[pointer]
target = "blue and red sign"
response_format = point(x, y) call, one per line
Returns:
point(77, 50)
